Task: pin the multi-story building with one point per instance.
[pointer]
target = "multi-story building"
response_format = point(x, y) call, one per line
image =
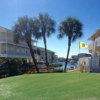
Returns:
point(94, 49)
point(10, 49)
point(51, 55)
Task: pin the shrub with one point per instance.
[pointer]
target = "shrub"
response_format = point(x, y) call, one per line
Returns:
point(9, 66)
point(13, 66)
point(55, 65)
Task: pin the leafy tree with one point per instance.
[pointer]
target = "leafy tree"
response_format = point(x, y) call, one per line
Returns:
point(72, 28)
point(25, 29)
point(46, 28)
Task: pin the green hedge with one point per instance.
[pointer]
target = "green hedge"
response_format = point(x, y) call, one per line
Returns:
point(10, 66)
point(55, 65)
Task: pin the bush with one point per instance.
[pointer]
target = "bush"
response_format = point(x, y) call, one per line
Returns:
point(13, 66)
point(55, 65)
point(9, 66)
point(58, 70)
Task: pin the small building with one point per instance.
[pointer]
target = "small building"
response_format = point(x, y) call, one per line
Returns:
point(84, 60)
point(51, 55)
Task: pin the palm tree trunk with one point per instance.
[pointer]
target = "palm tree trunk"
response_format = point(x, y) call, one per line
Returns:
point(46, 56)
point(33, 57)
point(69, 44)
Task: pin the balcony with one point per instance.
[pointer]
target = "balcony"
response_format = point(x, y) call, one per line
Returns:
point(90, 48)
point(15, 55)
point(21, 44)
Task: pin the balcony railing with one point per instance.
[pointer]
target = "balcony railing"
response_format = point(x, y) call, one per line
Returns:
point(12, 42)
point(17, 55)
point(19, 44)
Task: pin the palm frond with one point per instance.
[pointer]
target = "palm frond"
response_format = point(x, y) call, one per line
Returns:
point(26, 28)
point(70, 27)
point(46, 24)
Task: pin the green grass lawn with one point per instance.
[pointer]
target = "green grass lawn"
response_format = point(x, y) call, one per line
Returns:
point(52, 86)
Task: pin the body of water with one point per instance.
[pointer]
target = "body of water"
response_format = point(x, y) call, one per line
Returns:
point(69, 65)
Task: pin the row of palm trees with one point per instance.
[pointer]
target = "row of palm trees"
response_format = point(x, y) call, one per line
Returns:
point(43, 26)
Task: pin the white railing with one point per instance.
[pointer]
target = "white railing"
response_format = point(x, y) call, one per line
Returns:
point(19, 44)
point(15, 55)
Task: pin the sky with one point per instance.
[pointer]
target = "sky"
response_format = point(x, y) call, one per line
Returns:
point(87, 11)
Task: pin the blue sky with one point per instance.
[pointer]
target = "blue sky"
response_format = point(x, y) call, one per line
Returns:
point(87, 11)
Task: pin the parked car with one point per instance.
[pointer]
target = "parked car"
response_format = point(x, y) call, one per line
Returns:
point(73, 65)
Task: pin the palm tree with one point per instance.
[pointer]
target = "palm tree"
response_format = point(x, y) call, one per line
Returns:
point(46, 28)
point(25, 29)
point(72, 28)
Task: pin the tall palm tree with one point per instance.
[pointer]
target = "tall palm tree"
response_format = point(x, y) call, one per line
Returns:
point(72, 28)
point(25, 29)
point(46, 28)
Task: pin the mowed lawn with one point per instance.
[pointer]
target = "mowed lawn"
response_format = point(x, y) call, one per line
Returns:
point(51, 86)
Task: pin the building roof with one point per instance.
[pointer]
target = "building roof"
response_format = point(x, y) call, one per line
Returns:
point(3, 29)
point(95, 35)
point(84, 55)
point(44, 49)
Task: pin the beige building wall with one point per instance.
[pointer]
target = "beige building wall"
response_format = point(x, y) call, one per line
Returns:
point(85, 61)
point(6, 37)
